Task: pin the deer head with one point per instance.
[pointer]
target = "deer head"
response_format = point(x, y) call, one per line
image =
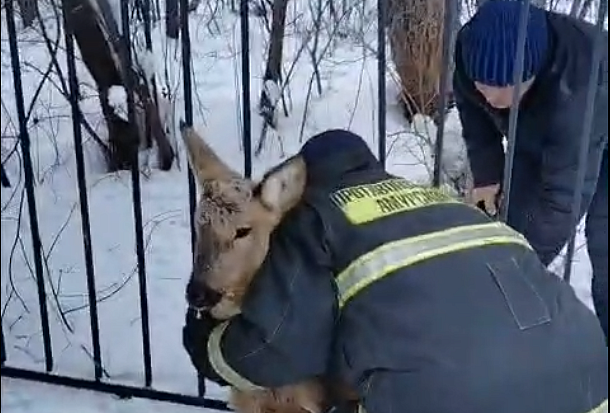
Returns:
point(234, 220)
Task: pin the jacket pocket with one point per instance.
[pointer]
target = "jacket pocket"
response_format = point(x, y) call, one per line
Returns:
point(522, 299)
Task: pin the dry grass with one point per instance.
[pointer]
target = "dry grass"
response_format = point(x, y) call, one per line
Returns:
point(416, 31)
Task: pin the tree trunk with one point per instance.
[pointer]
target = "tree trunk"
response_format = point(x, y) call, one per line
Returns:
point(273, 71)
point(172, 19)
point(103, 52)
point(416, 34)
point(28, 10)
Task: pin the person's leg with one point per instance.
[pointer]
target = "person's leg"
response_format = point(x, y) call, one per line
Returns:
point(597, 244)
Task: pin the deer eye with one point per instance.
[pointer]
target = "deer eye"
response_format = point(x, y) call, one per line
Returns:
point(242, 232)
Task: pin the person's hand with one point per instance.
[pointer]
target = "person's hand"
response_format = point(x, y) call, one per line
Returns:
point(486, 198)
point(195, 333)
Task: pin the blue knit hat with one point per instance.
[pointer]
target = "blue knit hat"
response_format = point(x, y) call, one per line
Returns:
point(489, 45)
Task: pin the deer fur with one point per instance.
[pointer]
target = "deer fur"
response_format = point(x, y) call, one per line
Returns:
point(234, 220)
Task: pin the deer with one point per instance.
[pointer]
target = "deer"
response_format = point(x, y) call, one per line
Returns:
point(234, 220)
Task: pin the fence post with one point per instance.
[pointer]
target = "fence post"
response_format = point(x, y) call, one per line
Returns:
point(137, 195)
point(185, 39)
point(244, 21)
point(24, 141)
point(450, 13)
point(513, 116)
point(82, 193)
point(382, 8)
point(382, 20)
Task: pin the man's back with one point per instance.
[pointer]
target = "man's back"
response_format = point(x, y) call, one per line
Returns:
point(416, 301)
point(436, 292)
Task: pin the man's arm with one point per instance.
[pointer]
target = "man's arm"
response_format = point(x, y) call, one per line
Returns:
point(285, 330)
point(550, 225)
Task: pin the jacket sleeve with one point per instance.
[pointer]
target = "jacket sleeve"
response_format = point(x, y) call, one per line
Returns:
point(550, 224)
point(482, 138)
point(285, 330)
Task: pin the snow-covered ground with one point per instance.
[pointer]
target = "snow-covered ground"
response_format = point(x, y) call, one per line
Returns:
point(348, 77)
point(22, 397)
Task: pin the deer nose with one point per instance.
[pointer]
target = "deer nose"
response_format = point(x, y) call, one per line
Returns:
point(202, 297)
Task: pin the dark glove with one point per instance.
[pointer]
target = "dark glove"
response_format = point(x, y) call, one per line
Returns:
point(195, 333)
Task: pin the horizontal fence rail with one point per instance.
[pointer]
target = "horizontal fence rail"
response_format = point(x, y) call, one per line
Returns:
point(98, 382)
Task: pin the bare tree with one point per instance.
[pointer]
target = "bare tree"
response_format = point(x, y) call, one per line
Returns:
point(273, 70)
point(103, 51)
point(172, 18)
point(416, 32)
point(28, 10)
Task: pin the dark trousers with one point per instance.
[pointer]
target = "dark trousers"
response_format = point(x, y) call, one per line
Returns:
point(597, 240)
point(524, 181)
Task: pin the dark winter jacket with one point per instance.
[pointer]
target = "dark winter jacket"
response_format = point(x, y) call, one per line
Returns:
point(372, 275)
point(550, 126)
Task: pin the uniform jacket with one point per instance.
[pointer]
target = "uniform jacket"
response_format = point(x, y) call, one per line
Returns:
point(371, 274)
point(550, 126)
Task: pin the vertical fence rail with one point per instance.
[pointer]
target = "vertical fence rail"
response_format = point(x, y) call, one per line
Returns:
point(589, 110)
point(188, 119)
point(382, 21)
point(82, 194)
point(513, 116)
point(450, 14)
point(244, 24)
point(28, 170)
point(137, 197)
point(187, 82)
point(145, 8)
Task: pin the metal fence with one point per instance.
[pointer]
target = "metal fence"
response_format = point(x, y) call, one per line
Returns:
point(147, 390)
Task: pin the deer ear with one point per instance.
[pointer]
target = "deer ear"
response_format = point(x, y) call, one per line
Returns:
point(283, 186)
point(204, 162)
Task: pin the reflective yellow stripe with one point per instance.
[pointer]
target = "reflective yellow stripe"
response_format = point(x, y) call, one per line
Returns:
point(390, 257)
point(220, 365)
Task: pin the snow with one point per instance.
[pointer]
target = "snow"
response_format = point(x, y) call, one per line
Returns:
point(18, 396)
point(348, 79)
point(117, 99)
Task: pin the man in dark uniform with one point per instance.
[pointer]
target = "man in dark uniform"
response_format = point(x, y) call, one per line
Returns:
point(416, 301)
point(558, 60)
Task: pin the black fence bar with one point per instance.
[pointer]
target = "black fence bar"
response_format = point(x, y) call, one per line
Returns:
point(145, 9)
point(82, 194)
point(137, 197)
point(450, 14)
point(120, 390)
point(589, 109)
point(244, 20)
point(28, 171)
point(382, 20)
point(188, 117)
point(513, 116)
point(185, 35)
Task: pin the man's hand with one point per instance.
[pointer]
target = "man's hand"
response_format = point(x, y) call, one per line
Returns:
point(486, 198)
point(197, 329)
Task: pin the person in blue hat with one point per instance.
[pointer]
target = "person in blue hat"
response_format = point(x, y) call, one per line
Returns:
point(558, 59)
